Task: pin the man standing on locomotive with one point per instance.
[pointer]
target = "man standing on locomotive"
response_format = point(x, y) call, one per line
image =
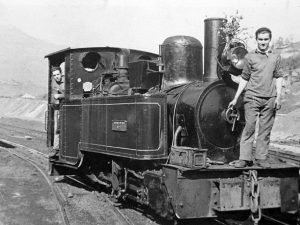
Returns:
point(58, 93)
point(262, 80)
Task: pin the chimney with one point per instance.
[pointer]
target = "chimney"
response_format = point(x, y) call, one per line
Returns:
point(214, 43)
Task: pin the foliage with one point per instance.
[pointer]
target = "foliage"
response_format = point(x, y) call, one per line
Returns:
point(232, 28)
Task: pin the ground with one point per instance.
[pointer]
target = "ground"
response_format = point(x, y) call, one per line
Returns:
point(25, 196)
point(27, 199)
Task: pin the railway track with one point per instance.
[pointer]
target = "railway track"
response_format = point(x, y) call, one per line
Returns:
point(286, 156)
point(21, 128)
point(100, 196)
point(123, 215)
point(31, 150)
point(53, 188)
point(35, 157)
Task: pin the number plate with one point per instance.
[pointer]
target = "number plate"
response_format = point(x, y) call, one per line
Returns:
point(119, 125)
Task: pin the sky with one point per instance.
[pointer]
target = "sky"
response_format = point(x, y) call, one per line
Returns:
point(142, 24)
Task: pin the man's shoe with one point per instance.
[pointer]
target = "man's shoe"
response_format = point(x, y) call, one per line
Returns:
point(243, 164)
point(262, 163)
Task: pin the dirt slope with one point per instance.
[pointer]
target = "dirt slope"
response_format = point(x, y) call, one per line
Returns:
point(22, 108)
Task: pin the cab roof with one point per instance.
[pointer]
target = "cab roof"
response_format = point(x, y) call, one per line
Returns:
point(69, 49)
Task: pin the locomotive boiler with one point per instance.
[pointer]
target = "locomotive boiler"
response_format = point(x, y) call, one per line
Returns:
point(159, 131)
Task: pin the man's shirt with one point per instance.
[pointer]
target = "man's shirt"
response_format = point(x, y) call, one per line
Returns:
point(261, 70)
point(58, 88)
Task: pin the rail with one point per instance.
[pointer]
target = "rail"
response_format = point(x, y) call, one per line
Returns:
point(56, 191)
point(53, 188)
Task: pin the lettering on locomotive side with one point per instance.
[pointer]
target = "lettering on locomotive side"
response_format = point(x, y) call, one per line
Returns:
point(119, 125)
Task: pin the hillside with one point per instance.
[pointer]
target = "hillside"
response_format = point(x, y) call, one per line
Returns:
point(13, 89)
point(23, 108)
point(290, 55)
point(22, 64)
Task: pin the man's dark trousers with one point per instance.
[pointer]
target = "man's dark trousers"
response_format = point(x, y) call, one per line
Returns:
point(254, 106)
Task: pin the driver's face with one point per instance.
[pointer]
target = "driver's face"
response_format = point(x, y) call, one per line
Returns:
point(57, 75)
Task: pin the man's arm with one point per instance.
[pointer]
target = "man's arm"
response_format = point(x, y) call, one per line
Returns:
point(59, 96)
point(278, 74)
point(236, 79)
point(243, 83)
point(60, 92)
point(57, 93)
point(277, 104)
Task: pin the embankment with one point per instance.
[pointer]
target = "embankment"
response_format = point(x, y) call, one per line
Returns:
point(23, 108)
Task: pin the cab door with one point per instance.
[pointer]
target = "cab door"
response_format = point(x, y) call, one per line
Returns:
point(49, 124)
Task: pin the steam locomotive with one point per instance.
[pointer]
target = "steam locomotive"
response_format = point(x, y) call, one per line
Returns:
point(159, 131)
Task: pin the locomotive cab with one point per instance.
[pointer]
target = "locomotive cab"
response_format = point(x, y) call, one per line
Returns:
point(85, 70)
